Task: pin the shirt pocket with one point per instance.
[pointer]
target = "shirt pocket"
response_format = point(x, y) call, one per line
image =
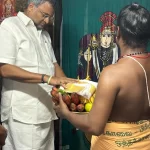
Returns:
point(27, 55)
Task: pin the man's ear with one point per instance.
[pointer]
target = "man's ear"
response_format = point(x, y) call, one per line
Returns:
point(117, 34)
point(31, 6)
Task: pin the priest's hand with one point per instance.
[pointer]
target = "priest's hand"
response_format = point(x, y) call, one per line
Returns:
point(61, 108)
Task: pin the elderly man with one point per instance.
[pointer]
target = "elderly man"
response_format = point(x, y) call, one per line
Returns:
point(29, 69)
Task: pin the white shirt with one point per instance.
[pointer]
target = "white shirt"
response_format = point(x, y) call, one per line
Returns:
point(24, 46)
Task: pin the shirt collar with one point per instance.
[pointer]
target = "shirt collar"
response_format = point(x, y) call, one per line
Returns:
point(25, 19)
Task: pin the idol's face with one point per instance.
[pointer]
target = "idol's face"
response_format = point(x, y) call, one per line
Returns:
point(106, 38)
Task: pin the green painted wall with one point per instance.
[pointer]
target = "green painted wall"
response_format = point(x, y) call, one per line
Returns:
point(81, 17)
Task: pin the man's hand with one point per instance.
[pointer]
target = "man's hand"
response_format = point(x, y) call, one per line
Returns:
point(3, 135)
point(62, 81)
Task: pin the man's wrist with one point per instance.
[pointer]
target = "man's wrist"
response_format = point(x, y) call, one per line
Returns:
point(42, 78)
point(49, 80)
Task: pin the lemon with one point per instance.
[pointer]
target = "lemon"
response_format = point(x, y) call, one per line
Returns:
point(88, 107)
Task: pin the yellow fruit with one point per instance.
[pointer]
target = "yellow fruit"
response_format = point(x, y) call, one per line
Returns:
point(93, 95)
point(92, 99)
point(88, 107)
point(82, 99)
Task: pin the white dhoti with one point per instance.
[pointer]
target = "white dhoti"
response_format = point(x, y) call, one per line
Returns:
point(23, 136)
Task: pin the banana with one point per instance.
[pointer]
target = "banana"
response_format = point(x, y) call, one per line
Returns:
point(83, 100)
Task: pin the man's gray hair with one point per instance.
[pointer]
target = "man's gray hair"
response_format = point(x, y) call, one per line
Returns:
point(22, 5)
point(39, 2)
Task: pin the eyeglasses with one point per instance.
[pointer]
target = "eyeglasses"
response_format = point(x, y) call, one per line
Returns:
point(45, 15)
